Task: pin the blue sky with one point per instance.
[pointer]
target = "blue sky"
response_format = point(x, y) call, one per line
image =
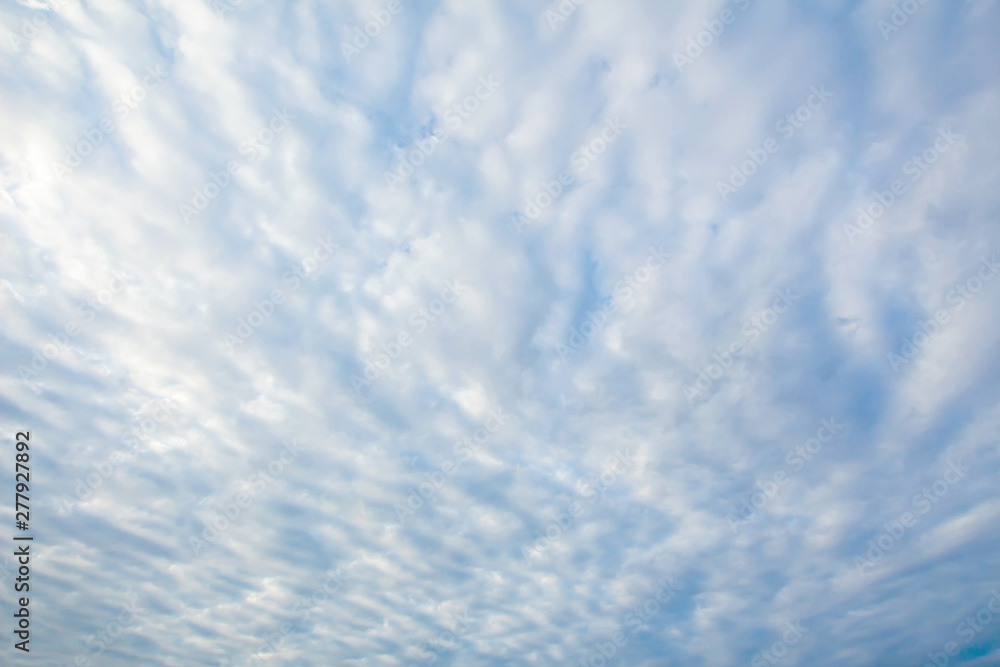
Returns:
point(583, 333)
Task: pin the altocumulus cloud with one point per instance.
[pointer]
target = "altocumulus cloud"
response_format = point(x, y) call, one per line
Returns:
point(246, 183)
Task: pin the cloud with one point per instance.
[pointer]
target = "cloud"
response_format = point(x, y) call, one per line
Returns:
point(205, 264)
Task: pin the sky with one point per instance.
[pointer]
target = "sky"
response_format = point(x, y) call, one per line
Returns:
point(482, 333)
